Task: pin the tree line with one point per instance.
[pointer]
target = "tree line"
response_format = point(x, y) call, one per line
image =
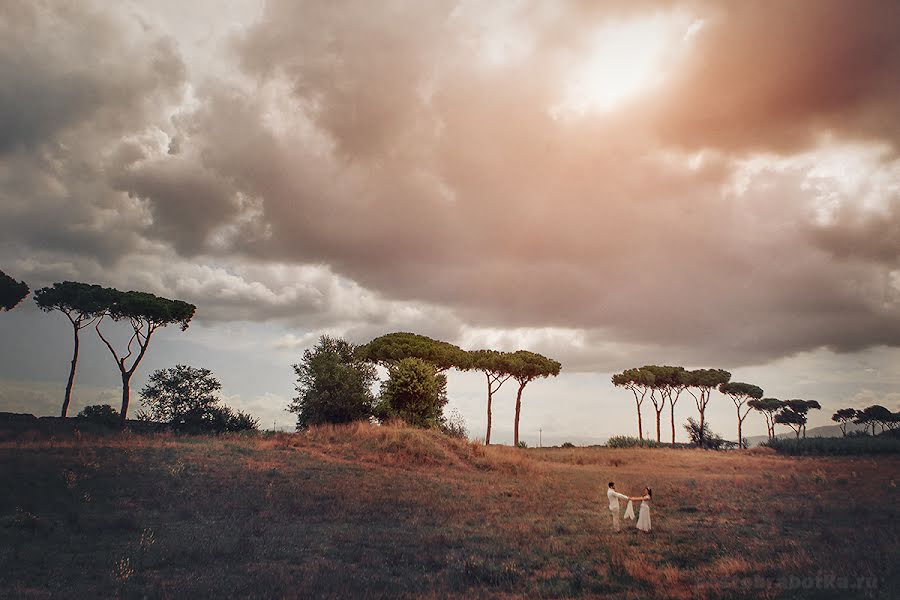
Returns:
point(334, 379)
point(86, 305)
point(872, 416)
point(664, 385)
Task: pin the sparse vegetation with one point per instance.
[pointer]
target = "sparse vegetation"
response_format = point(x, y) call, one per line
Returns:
point(360, 510)
point(701, 436)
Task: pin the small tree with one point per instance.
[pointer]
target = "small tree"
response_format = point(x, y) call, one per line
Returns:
point(525, 367)
point(639, 382)
point(741, 393)
point(172, 393)
point(793, 419)
point(701, 436)
point(811, 405)
point(413, 392)
point(145, 313)
point(802, 407)
point(333, 385)
point(705, 380)
point(844, 416)
point(11, 292)
point(768, 407)
point(83, 305)
point(497, 370)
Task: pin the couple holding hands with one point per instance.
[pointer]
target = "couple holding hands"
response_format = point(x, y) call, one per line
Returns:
point(643, 522)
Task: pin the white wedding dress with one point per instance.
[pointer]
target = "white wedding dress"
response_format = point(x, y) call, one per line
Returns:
point(643, 522)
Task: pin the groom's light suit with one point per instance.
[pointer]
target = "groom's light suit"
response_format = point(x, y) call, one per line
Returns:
point(614, 496)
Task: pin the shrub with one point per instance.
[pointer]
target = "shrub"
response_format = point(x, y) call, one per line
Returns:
point(414, 393)
point(836, 445)
point(455, 426)
point(241, 421)
point(521, 444)
point(103, 414)
point(624, 441)
point(215, 419)
point(705, 438)
point(567, 445)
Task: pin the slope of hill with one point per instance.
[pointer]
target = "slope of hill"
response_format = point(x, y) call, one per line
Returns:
point(823, 431)
point(364, 511)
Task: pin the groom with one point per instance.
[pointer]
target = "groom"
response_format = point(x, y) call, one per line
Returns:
point(614, 496)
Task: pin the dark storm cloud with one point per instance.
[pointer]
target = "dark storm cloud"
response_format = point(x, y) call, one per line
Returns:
point(401, 148)
point(77, 79)
point(777, 76)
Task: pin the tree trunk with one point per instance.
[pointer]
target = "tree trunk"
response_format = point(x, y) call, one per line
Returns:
point(658, 421)
point(126, 395)
point(740, 444)
point(672, 415)
point(71, 380)
point(487, 436)
point(640, 425)
point(702, 435)
point(672, 411)
point(518, 411)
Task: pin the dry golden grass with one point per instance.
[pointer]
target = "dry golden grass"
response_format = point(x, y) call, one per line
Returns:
point(359, 510)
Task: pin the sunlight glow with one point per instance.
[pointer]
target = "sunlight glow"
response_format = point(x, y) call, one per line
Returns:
point(625, 59)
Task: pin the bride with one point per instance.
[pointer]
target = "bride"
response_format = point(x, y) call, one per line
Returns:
point(643, 522)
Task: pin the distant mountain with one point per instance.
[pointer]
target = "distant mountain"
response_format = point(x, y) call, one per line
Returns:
point(823, 431)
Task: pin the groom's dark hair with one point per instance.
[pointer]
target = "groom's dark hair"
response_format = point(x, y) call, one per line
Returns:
point(611, 484)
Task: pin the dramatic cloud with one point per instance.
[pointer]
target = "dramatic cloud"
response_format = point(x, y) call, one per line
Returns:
point(774, 76)
point(514, 173)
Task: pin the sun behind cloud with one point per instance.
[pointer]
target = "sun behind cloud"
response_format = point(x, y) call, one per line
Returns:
point(626, 59)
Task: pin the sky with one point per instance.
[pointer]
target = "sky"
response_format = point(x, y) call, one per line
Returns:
point(611, 183)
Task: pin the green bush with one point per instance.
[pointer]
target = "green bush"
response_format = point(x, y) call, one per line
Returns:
point(414, 393)
point(625, 441)
point(567, 445)
point(836, 445)
point(215, 419)
point(102, 414)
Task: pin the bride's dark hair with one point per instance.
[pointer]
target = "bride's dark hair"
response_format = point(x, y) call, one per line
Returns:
point(649, 492)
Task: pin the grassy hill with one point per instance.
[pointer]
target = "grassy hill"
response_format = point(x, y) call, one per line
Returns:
point(364, 511)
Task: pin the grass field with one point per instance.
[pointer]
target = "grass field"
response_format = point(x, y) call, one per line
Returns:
point(363, 511)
